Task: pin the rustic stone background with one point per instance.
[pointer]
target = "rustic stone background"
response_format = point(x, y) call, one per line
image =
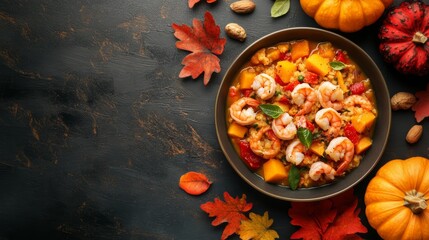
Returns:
point(96, 127)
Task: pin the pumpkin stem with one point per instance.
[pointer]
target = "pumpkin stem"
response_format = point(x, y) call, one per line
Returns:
point(419, 38)
point(415, 201)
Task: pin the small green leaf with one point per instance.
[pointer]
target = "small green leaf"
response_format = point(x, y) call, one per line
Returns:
point(271, 110)
point(305, 136)
point(294, 176)
point(337, 65)
point(280, 8)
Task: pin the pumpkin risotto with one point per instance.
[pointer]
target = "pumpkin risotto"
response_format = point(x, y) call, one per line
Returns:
point(301, 113)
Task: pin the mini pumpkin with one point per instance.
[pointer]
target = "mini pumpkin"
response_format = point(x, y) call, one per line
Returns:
point(345, 15)
point(404, 38)
point(397, 199)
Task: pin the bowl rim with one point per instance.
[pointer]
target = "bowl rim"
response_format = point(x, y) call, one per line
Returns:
point(382, 124)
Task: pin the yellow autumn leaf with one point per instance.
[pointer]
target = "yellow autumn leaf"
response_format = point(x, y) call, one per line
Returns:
point(257, 228)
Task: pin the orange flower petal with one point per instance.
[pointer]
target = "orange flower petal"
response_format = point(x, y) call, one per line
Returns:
point(194, 183)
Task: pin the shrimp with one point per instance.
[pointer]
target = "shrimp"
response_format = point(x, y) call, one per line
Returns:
point(283, 127)
point(358, 100)
point(301, 121)
point(295, 152)
point(305, 96)
point(266, 147)
point(329, 120)
point(341, 149)
point(264, 85)
point(330, 95)
point(318, 168)
point(244, 116)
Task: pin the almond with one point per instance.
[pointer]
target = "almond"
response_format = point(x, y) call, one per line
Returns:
point(235, 31)
point(414, 134)
point(243, 6)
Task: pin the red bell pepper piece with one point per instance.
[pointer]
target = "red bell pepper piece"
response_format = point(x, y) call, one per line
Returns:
point(341, 56)
point(290, 86)
point(246, 92)
point(310, 126)
point(357, 88)
point(284, 100)
point(252, 160)
point(285, 56)
point(311, 78)
point(351, 133)
point(279, 81)
point(234, 93)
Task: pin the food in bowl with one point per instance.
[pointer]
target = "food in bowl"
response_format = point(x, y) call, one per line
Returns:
point(301, 113)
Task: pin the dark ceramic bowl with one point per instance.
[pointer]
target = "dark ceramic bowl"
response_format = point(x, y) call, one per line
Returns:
point(381, 131)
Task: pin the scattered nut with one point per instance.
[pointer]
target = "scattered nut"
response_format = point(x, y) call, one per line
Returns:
point(402, 101)
point(243, 6)
point(414, 134)
point(235, 31)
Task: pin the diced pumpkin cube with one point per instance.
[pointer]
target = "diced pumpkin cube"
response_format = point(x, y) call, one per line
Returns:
point(316, 63)
point(318, 148)
point(363, 144)
point(300, 49)
point(341, 83)
point(273, 54)
point(246, 79)
point(363, 121)
point(236, 130)
point(274, 171)
point(285, 70)
point(284, 107)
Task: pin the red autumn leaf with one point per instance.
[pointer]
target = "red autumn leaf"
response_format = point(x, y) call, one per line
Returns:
point(347, 223)
point(203, 41)
point(334, 218)
point(191, 3)
point(343, 201)
point(194, 183)
point(421, 107)
point(314, 218)
point(230, 211)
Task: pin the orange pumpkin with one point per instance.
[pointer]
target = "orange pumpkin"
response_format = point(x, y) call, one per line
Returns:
point(345, 15)
point(396, 199)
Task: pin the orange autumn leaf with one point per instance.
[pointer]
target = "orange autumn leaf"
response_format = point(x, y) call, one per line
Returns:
point(336, 218)
point(230, 211)
point(194, 183)
point(204, 43)
point(421, 107)
point(191, 3)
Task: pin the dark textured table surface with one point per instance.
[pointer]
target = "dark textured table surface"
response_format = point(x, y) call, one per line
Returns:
point(96, 127)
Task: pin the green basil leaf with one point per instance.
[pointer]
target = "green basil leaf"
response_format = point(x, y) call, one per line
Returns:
point(337, 65)
point(305, 136)
point(280, 8)
point(294, 176)
point(271, 110)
